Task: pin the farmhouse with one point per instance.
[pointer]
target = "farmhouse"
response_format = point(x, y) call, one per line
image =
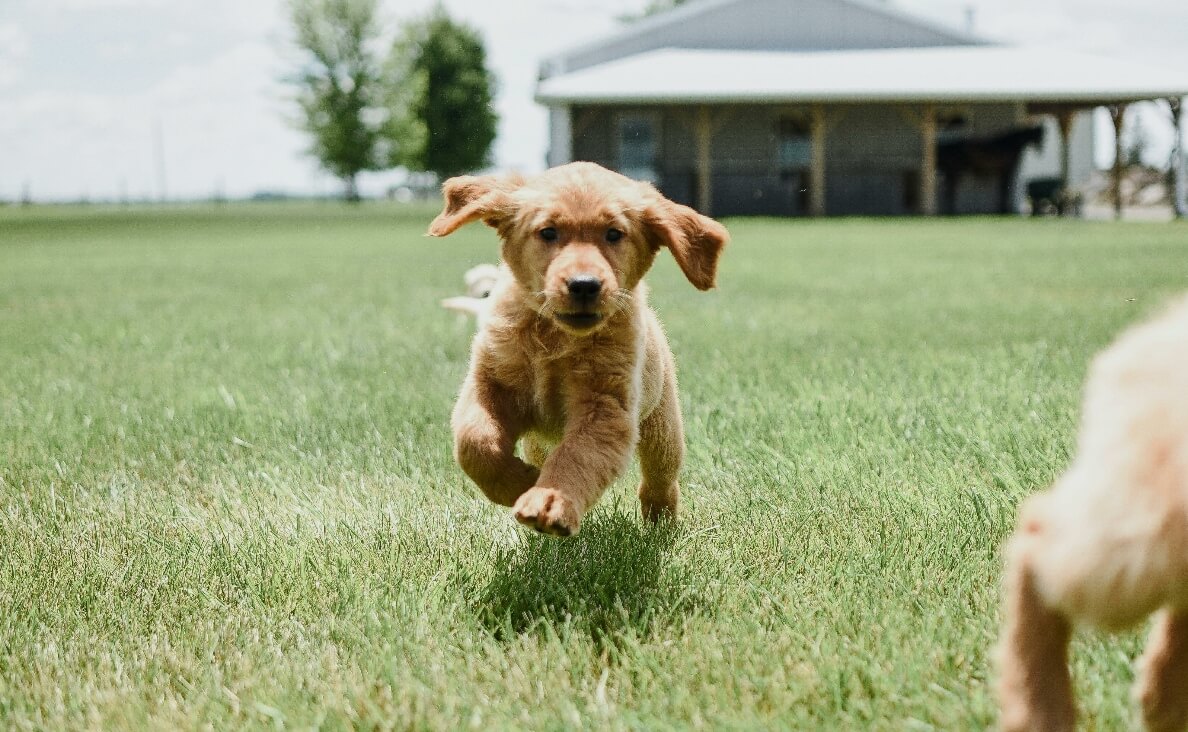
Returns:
point(814, 107)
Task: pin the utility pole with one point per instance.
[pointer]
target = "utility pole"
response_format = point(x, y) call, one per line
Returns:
point(159, 154)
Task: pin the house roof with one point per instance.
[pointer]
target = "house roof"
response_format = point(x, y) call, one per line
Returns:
point(767, 25)
point(939, 74)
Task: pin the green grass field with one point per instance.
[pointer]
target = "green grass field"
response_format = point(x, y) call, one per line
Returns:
point(228, 499)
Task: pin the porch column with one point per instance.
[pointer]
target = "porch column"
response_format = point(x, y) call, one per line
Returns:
point(1064, 119)
point(1118, 117)
point(560, 135)
point(818, 132)
point(704, 131)
point(1180, 191)
point(928, 161)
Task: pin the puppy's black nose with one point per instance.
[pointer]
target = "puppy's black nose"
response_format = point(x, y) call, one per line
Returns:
point(584, 288)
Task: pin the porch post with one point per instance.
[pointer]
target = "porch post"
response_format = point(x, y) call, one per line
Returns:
point(818, 132)
point(1064, 119)
point(704, 131)
point(1180, 191)
point(928, 161)
point(560, 135)
point(1118, 117)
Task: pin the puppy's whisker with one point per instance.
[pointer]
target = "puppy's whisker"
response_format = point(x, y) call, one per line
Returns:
point(621, 300)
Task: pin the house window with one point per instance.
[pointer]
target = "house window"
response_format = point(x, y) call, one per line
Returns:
point(795, 144)
point(638, 135)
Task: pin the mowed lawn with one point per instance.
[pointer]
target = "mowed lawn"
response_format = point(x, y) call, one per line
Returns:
point(228, 498)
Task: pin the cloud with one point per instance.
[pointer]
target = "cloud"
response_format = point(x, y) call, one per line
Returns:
point(221, 121)
point(224, 115)
point(1145, 31)
point(255, 18)
point(14, 48)
point(75, 5)
point(208, 71)
point(14, 41)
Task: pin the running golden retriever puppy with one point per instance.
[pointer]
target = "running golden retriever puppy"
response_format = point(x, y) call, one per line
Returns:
point(571, 359)
point(1108, 544)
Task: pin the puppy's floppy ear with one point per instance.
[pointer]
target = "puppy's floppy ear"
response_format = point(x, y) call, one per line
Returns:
point(695, 241)
point(469, 198)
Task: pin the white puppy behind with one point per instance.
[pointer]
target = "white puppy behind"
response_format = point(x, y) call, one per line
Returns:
point(480, 282)
point(1108, 543)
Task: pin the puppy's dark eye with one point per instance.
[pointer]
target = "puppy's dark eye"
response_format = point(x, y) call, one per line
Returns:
point(548, 234)
point(613, 235)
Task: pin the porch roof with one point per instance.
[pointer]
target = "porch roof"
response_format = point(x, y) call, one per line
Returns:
point(945, 74)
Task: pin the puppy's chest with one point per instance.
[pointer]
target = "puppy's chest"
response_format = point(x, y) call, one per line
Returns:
point(546, 390)
point(552, 387)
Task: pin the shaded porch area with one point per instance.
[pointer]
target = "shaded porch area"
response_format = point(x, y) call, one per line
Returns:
point(921, 131)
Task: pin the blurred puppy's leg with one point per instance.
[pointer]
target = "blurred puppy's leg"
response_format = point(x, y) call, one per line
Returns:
point(1162, 687)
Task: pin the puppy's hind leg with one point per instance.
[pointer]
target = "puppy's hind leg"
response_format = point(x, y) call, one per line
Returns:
point(661, 451)
point(1034, 686)
point(1162, 688)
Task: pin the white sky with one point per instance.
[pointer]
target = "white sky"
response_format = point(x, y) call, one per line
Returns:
point(84, 84)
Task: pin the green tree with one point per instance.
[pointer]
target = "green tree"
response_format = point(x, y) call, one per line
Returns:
point(339, 87)
point(442, 118)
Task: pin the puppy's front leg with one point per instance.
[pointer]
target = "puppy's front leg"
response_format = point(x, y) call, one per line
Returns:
point(1034, 686)
point(1163, 684)
point(600, 434)
point(486, 427)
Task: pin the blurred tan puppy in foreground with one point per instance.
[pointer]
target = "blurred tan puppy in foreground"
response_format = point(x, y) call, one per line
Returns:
point(571, 359)
point(1108, 544)
point(480, 282)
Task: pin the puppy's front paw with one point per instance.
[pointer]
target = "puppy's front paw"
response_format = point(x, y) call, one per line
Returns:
point(549, 511)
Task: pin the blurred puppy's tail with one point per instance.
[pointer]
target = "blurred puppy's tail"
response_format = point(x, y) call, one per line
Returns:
point(469, 305)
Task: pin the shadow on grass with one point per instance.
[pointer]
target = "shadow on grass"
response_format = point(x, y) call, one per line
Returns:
point(615, 577)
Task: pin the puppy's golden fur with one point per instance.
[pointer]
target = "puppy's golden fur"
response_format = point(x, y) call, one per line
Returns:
point(571, 360)
point(1108, 544)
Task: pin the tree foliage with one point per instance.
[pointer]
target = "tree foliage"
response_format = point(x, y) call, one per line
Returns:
point(339, 85)
point(428, 107)
point(443, 109)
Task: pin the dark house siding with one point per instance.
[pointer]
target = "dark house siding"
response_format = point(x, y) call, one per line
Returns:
point(872, 157)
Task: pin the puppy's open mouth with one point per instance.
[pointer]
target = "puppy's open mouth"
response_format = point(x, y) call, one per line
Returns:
point(581, 320)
